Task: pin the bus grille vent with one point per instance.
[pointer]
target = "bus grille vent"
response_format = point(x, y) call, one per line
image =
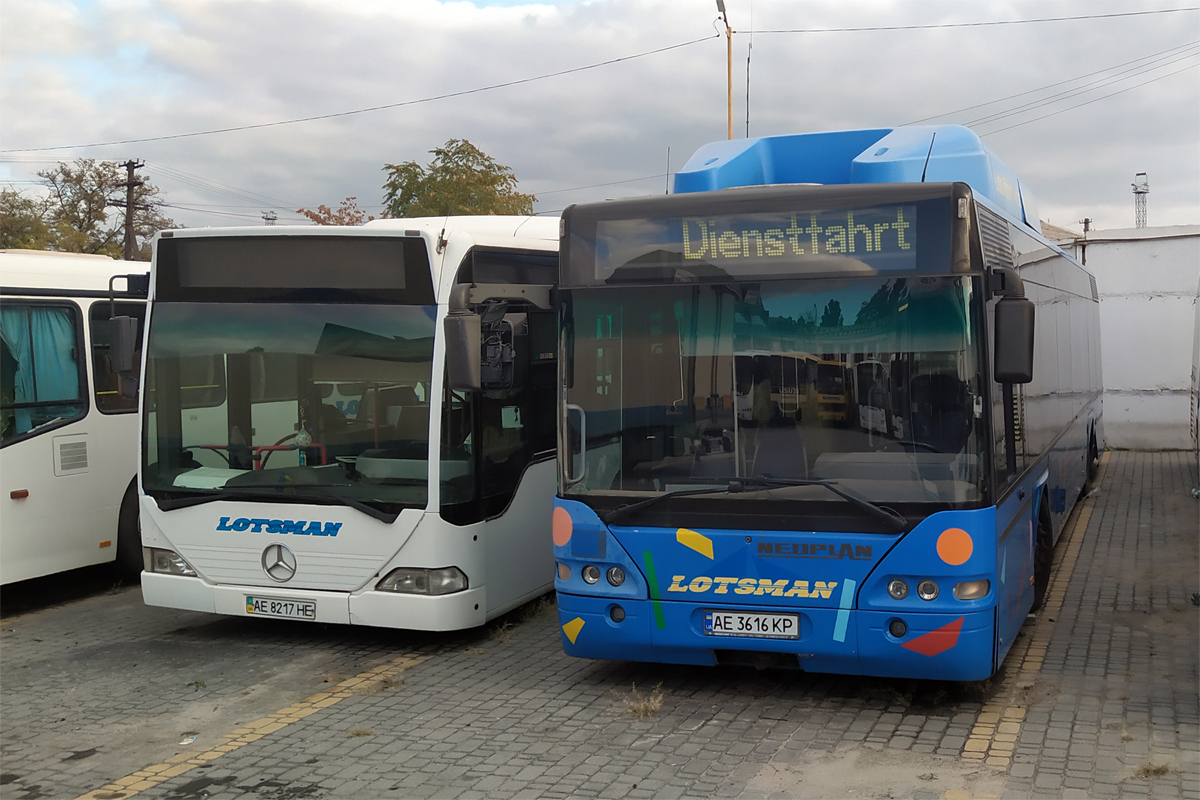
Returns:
point(993, 236)
point(70, 455)
point(1095, 292)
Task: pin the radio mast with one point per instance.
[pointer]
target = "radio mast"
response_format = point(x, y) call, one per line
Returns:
point(1141, 188)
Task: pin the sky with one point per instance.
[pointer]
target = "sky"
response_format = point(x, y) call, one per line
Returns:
point(591, 99)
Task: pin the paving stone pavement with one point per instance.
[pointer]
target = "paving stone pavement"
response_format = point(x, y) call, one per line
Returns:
point(1097, 699)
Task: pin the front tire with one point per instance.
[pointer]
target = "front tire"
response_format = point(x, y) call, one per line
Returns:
point(129, 536)
point(1043, 557)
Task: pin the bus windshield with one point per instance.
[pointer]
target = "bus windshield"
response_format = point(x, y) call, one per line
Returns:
point(293, 401)
point(870, 383)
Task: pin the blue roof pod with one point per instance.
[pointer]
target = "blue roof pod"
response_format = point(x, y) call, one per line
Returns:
point(908, 154)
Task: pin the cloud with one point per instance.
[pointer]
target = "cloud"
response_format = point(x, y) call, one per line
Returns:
point(105, 70)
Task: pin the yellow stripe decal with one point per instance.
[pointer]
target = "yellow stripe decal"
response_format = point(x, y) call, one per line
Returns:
point(695, 541)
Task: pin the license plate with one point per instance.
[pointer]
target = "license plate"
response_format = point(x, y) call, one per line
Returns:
point(761, 626)
point(286, 609)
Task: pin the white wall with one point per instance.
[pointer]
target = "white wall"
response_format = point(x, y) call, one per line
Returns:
point(1147, 279)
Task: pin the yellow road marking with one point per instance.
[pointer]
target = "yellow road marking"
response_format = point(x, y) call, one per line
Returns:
point(998, 726)
point(176, 765)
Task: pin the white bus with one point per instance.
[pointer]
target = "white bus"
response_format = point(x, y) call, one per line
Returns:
point(68, 422)
point(303, 455)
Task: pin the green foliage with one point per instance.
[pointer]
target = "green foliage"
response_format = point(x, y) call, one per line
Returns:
point(76, 215)
point(22, 222)
point(461, 179)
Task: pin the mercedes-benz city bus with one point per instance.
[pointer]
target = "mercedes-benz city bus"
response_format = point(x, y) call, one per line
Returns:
point(68, 418)
point(303, 456)
point(912, 543)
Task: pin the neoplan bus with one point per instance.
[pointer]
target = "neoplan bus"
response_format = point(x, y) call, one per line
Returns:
point(912, 546)
point(68, 420)
point(303, 456)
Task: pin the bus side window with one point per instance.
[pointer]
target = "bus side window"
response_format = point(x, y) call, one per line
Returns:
point(115, 393)
point(42, 369)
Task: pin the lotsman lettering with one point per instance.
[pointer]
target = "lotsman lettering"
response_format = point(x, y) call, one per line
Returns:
point(767, 586)
point(223, 524)
point(676, 584)
point(746, 586)
point(723, 585)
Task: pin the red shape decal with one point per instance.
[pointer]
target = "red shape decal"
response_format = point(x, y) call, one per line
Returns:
point(938, 641)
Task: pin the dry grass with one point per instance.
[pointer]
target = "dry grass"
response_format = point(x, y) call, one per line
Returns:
point(357, 732)
point(642, 705)
point(1152, 771)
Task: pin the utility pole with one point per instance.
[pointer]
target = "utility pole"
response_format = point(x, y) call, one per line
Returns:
point(130, 184)
point(728, 60)
point(269, 217)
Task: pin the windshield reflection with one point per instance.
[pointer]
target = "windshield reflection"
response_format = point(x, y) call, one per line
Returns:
point(872, 383)
point(307, 401)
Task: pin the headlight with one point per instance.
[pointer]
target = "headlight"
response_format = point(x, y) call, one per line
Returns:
point(972, 590)
point(166, 562)
point(564, 572)
point(898, 589)
point(410, 580)
point(616, 576)
point(590, 573)
point(927, 590)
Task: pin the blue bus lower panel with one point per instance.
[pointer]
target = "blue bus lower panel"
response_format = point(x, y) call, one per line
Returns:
point(934, 646)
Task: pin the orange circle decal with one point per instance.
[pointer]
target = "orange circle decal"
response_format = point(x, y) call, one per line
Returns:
point(955, 546)
point(561, 527)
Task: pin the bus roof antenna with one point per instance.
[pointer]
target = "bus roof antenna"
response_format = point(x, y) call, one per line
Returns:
point(928, 155)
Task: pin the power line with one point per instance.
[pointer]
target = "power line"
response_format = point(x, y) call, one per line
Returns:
point(335, 115)
point(1171, 50)
point(973, 24)
point(598, 185)
point(1089, 102)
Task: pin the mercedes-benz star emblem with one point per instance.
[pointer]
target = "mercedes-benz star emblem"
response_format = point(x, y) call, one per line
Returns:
point(279, 563)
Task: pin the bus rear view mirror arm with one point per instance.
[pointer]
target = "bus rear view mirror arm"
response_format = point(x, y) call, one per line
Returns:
point(1014, 340)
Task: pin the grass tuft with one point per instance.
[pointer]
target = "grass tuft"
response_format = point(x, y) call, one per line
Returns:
point(643, 705)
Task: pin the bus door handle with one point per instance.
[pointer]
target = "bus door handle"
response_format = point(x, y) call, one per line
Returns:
point(570, 478)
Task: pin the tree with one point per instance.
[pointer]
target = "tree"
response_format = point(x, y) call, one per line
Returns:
point(348, 213)
point(22, 222)
point(461, 179)
point(832, 318)
point(77, 209)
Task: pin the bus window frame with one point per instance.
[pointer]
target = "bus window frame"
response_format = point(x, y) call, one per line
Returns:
point(83, 398)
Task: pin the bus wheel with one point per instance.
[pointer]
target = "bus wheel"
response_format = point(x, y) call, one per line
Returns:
point(1043, 557)
point(1093, 465)
point(129, 536)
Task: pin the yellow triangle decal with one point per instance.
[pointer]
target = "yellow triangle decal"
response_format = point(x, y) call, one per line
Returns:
point(701, 544)
point(572, 629)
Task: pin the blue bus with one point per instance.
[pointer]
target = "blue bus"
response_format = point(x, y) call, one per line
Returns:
point(697, 522)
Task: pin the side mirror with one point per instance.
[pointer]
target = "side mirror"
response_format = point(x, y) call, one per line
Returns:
point(462, 351)
point(1014, 340)
point(122, 343)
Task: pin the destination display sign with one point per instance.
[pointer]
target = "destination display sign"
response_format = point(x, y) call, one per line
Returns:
point(876, 239)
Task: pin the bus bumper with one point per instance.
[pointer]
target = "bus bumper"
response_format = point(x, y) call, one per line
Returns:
point(382, 609)
point(935, 646)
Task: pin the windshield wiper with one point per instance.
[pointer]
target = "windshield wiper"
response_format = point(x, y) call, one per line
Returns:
point(891, 518)
point(172, 503)
point(613, 514)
